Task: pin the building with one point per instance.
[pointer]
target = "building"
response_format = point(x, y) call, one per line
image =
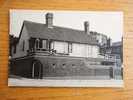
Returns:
point(117, 51)
point(101, 38)
point(45, 50)
point(114, 51)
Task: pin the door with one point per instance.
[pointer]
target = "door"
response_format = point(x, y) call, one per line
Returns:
point(37, 70)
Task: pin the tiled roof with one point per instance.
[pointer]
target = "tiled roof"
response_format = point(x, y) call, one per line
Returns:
point(38, 30)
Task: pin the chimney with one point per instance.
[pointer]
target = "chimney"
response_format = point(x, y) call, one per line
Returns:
point(108, 42)
point(86, 26)
point(49, 20)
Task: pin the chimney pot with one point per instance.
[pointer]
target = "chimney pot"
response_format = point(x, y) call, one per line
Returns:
point(86, 26)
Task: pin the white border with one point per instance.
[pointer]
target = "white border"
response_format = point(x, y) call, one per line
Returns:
point(65, 83)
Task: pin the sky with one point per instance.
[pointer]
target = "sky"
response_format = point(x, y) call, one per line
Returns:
point(109, 23)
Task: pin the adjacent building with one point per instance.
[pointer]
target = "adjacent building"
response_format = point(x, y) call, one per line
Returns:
point(101, 38)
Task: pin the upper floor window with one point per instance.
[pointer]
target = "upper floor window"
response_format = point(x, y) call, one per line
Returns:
point(70, 47)
point(61, 47)
point(37, 43)
point(41, 44)
point(23, 46)
point(31, 44)
point(44, 44)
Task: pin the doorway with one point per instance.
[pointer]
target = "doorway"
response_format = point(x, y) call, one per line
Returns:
point(37, 70)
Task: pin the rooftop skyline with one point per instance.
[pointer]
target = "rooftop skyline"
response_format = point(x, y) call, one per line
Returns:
point(107, 23)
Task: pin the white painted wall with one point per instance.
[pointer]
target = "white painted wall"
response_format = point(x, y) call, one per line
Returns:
point(84, 50)
point(78, 50)
point(95, 51)
point(60, 47)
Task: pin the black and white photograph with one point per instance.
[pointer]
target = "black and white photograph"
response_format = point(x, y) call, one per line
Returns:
point(60, 48)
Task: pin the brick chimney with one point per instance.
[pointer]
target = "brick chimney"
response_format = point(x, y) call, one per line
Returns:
point(49, 20)
point(108, 42)
point(86, 26)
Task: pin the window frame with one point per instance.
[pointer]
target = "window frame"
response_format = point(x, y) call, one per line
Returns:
point(69, 47)
point(23, 45)
point(40, 44)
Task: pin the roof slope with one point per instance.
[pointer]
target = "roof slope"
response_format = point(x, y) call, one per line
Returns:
point(38, 30)
point(117, 44)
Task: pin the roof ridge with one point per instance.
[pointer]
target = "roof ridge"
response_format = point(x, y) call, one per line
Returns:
point(27, 21)
point(69, 28)
point(40, 30)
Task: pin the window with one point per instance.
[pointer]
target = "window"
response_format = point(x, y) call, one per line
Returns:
point(37, 43)
point(40, 44)
point(44, 44)
point(60, 47)
point(31, 44)
point(52, 45)
point(70, 47)
point(23, 45)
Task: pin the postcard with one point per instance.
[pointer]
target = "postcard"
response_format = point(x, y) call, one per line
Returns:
point(56, 48)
